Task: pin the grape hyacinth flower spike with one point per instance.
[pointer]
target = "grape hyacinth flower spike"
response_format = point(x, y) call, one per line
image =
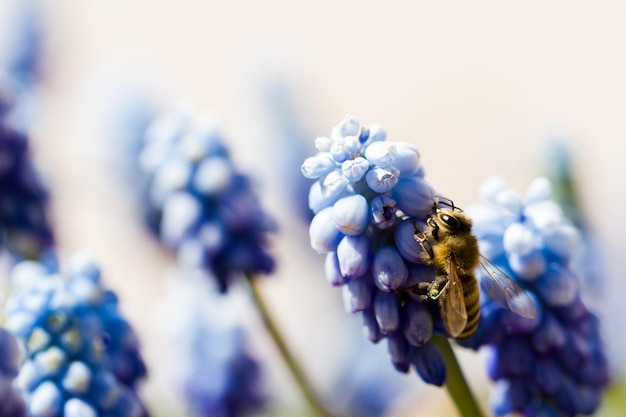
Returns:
point(555, 364)
point(369, 197)
point(198, 204)
point(80, 357)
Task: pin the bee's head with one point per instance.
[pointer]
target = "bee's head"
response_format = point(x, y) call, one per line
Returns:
point(451, 222)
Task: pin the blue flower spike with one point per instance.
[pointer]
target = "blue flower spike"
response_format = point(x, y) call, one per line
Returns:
point(555, 364)
point(368, 196)
point(198, 204)
point(80, 357)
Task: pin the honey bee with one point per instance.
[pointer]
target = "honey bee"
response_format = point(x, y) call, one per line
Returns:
point(452, 249)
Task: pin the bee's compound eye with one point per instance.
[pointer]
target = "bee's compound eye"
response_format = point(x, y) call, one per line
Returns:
point(450, 220)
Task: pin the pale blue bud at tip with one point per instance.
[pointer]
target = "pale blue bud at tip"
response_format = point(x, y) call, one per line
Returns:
point(407, 246)
point(353, 255)
point(528, 267)
point(323, 144)
point(491, 187)
point(75, 407)
point(562, 240)
point(418, 324)
point(45, 401)
point(352, 145)
point(388, 269)
point(387, 312)
point(318, 166)
point(382, 154)
point(317, 199)
point(510, 201)
point(213, 175)
point(381, 179)
point(354, 169)
point(334, 184)
point(407, 159)
point(375, 133)
point(180, 213)
point(544, 215)
point(519, 239)
point(558, 287)
point(338, 151)
point(383, 210)
point(77, 378)
point(349, 126)
point(540, 189)
point(429, 365)
point(323, 232)
point(415, 197)
point(485, 220)
point(351, 214)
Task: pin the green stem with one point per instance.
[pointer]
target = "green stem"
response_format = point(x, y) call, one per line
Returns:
point(317, 408)
point(456, 383)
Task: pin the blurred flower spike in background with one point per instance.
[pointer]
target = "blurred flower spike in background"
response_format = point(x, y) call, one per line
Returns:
point(24, 227)
point(197, 202)
point(368, 194)
point(211, 364)
point(80, 357)
point(554, 364)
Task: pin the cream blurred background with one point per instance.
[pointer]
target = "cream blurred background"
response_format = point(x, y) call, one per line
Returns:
point(481, 88)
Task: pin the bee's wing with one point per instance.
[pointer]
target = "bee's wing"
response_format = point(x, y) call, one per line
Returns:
point(504, 291)
point(452, 303)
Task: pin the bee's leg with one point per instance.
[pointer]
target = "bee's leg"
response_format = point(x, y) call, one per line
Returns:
point(422, 289)
point(438, 286)
point(420, 238)
point(431, 290)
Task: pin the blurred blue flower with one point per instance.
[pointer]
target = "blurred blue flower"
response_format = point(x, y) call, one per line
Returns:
point(24, 227)
point(198, 203)
point(78, 360)
point(554, 364)
point(212, 365)
point(11, 404)
point(23, 55)
point(367, 386)
point(368, 197)
point(21, 64)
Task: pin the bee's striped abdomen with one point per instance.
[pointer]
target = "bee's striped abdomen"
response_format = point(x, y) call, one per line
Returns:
point(471, 297)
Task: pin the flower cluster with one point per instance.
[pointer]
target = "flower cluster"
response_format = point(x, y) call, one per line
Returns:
point(211, 364)
point(80, 357)
point(198, 204)
point(554, 364)
point(369, 197)
point(25, 229)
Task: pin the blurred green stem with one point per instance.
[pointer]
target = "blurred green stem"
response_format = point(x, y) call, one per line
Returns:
point(456, 383)
point(317, 408)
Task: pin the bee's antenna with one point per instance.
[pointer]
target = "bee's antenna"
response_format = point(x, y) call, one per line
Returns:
point(448, 202)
